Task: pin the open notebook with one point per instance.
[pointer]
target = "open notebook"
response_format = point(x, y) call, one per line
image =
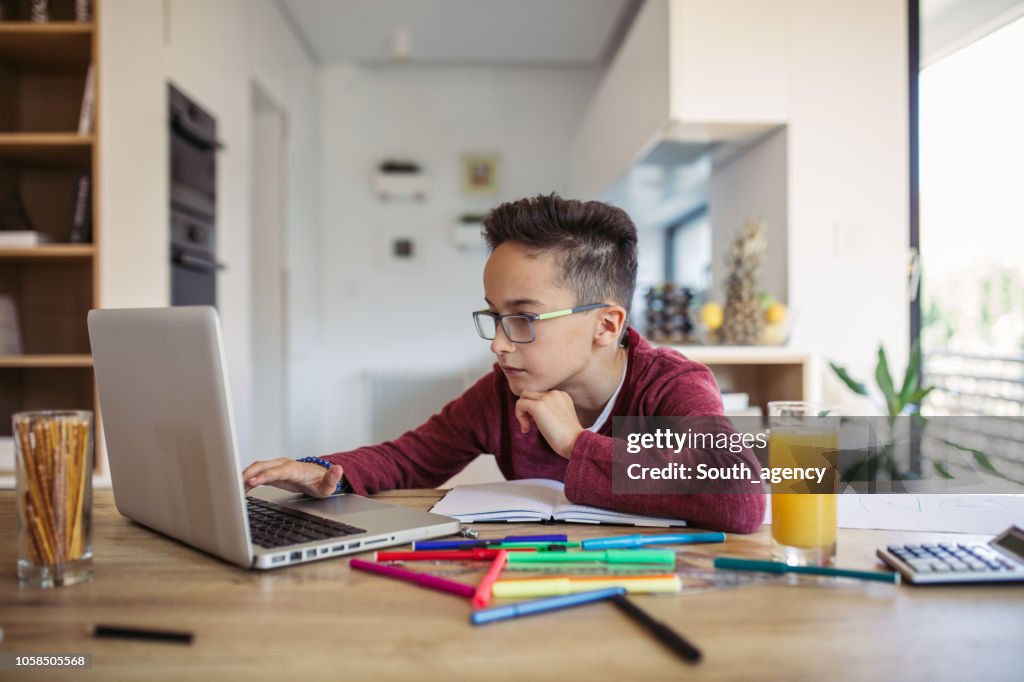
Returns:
point(532, 499)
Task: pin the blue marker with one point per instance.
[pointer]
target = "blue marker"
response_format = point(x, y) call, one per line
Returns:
point(474, 544)
point(528, 608)
point(628, 541)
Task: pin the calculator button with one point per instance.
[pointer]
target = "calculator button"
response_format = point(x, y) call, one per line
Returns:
point(941, 568)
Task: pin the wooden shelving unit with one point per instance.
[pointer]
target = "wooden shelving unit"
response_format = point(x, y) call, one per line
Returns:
point(43, 69)
point(765, 373)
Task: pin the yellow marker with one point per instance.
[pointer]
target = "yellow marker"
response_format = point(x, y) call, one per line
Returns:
point(547, 587)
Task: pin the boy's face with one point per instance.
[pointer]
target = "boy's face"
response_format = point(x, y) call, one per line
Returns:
point(517, 282)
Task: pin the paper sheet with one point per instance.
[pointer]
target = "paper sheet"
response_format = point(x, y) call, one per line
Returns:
point(980, 514)
point(983, 514)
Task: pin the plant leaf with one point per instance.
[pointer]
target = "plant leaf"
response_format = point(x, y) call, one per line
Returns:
point(884, 380)
point(941, 468)
point(983, 461)
point(920, 394)
point(856, 386)
point(912, 377)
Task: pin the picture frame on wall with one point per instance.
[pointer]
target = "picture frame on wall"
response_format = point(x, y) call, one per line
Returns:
point(481, 173)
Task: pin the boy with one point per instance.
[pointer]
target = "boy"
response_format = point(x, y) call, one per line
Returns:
point(558, 286)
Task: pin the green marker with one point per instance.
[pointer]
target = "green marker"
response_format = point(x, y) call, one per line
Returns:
point(778, 567)
point(541, 546)
point(610, 556)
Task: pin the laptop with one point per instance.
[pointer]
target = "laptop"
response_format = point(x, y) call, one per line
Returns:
point(173, 458)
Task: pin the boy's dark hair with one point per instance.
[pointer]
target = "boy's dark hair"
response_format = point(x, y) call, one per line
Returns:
point(593, 243)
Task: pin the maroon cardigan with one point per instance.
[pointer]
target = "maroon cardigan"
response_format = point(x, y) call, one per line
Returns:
point(659, 382)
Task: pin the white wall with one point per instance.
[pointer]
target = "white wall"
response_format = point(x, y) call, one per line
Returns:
point(834, 72)
point(213, 51)
point(751, 186)
point(380, 313)
point(848, 182)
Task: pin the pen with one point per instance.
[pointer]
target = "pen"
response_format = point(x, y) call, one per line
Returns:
point(528, 608)
point(142, 633)
point(483, 591)
point(547, 587)
point(471, 544)
point(778, 567)
point(663, 539)
point(448, 554)
point(422, 579)
point(664, 633)
point(611, 556)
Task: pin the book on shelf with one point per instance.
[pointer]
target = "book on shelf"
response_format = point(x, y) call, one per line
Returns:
point(88, 111)
point(533, 499)
point(80, 231)
point(6, 454)
point(13, 216)
point(20, 238)
point(10, 332)
point(735, 402)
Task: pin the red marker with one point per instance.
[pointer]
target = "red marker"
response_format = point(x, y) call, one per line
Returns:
point(448, 555)
point(482, 596)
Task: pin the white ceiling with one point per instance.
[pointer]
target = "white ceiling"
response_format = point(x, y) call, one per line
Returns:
point(462, 32)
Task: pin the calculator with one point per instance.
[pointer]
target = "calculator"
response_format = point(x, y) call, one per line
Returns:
point(1000, 560)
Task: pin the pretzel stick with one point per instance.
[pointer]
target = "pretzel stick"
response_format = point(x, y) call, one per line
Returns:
point(35, 492)
point(48, 555)
point(30, 543)
point(81, 459)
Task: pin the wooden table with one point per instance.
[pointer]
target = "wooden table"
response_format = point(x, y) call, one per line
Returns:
point(320, 620)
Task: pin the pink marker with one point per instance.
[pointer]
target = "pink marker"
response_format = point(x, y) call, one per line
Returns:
point(432, 582)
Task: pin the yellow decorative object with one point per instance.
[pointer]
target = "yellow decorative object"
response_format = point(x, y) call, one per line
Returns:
point(776, 313)
point(712, 315)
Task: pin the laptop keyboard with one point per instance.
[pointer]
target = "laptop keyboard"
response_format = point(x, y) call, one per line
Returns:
point(272, 525)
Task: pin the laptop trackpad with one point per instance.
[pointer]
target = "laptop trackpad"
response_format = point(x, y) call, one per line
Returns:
point(337, 505)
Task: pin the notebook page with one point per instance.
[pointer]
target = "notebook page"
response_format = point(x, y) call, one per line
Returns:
point(581, 513)
point(530, 499)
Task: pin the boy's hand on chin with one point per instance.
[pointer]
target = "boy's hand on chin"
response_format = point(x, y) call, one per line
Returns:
point(554, 414)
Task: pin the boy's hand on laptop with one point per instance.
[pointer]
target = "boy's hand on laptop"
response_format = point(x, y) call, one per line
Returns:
point(554, 414)
point(297, 477)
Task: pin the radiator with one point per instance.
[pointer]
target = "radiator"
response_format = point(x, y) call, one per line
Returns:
point(399, 401)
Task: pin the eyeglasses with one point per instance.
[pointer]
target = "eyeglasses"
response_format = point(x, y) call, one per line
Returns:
point(519, 326)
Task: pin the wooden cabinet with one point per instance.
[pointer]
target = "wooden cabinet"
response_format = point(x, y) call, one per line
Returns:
point(43, 72)
point(764, 373)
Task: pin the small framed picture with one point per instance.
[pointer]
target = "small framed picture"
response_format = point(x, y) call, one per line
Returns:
point(480, 173)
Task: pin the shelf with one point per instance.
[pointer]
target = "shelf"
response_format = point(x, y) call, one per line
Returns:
point(58, 44)
point(48, 252)
point(55, 148)
point(742, 355)
point(44, 361)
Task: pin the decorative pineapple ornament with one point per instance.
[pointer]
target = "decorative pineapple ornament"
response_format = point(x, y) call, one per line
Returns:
point(744, 318)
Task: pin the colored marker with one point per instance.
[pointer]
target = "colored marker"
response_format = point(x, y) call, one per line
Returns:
point(431, 582)
point(529, 608)
point(666, 635)
point(623, 541)
point(482, 596)
point(778, 567)
point(448, 555)
point(610, 556)
point(472, 544)
point(547, 587)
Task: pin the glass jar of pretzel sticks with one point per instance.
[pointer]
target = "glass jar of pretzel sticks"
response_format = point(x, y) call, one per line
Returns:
point(54, 493)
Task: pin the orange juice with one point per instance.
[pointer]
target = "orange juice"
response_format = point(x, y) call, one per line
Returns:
point(802, 521)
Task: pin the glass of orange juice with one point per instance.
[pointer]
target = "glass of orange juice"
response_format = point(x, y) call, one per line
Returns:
point(803, 435)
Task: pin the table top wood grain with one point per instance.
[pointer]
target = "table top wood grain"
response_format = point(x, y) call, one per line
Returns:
point(321, 620)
